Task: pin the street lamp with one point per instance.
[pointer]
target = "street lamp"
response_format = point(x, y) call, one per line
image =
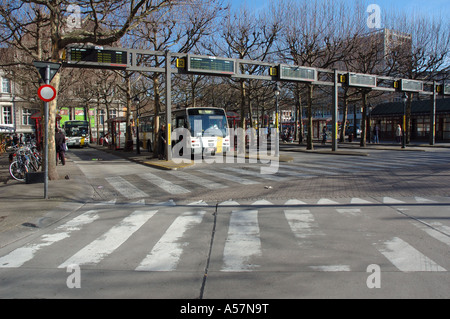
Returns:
point(404, 99)
point(138, 146)
point(368, 125)
point(277, 117)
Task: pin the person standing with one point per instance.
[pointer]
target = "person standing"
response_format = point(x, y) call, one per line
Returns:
point(324, 135)
point(398, 134)
point(376, 134)
point(60, 142)
point(162, 143)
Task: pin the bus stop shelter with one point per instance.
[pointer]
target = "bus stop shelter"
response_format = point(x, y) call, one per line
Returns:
point(117, 128)
point(39, 129)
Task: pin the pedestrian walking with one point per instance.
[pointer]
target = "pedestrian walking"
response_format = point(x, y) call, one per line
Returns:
point(60, 142)
point(15, 139)
point(376, 134)
point(162, 142)
point(398, 134)
point(324, 135)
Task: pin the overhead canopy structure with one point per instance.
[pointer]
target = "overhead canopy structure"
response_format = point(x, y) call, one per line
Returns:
point(140, 60)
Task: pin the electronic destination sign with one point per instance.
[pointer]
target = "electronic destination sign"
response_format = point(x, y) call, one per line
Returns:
point(446, 89)
point(206, 64)
point(297, 73)
point(362, 80)
point(97, 55)
point(411, 86)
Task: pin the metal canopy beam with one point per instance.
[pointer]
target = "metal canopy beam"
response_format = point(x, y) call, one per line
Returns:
point(141, 61)
point(135, 63)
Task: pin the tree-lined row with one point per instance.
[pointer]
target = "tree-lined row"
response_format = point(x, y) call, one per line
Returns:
point(318, 33)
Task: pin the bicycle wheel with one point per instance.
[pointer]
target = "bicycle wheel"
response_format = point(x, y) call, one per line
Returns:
point(17, 171)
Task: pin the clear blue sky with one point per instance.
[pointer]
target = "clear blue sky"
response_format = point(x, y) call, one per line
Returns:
point(418, 6)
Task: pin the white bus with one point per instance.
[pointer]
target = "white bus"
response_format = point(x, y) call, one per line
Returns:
point(77, 133)
point(207, 127)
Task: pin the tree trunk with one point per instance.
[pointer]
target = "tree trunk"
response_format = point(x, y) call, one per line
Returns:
point(408, 118)
point(310, 144)
point(97, 121)
point(128, 135)
point(363, 120)
point(344, 118)
point(156, 119)
point(241, 137)
point(53, 107)
point(298, 116)
point(52, 172)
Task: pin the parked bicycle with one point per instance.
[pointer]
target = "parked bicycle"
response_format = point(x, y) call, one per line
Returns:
point(24, 159)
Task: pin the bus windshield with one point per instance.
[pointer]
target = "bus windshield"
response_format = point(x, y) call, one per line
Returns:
point(76, 128)
point(208, 122)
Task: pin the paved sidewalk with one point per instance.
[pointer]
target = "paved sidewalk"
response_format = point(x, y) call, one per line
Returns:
point(24, 208)
point(354, 148)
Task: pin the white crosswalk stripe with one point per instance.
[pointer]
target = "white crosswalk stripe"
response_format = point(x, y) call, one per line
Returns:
point(302, 222)
point(164, 184)
point(21, 255)
point(166, 253)
point(390, 200)
point(124, 187)
point(405, 257)
point(243, 246)
point(229, 177)
point(197, 180)
point(243, 242)
point(252, 172)
point(106, 244)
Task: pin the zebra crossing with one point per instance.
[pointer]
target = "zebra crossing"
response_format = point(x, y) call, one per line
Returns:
point(227, 176)
point(250, 236)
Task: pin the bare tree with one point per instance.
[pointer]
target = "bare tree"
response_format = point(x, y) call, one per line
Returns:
point(180, 31)
point(315, 34)
point(427, 56)
point(100, 22)
point(244, 35)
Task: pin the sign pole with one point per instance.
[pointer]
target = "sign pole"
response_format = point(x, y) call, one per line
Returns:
point(168, 106)
point(433, 116)
point(334, 145)
point(47, 81)
point(46, 93)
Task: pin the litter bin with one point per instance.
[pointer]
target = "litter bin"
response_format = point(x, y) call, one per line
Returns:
point(350, 137)
point(34, 178)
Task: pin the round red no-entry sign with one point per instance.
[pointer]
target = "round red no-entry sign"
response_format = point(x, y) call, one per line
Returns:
point(47, 93)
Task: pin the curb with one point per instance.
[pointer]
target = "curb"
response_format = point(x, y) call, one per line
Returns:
point(175, 165)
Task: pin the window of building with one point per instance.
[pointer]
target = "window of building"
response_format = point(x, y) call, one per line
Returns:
point(446, 128)
point(6, 85)
point(422, 126)
point(26, 117)
point(112, 114)
point(101, 116)
point(7, 115)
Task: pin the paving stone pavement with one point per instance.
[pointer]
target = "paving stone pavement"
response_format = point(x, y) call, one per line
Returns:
point(24, 203)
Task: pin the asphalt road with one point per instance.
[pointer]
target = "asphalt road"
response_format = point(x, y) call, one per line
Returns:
point(322, 226)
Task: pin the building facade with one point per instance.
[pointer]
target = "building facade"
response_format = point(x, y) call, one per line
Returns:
point(18, 115)
point(388, 115)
